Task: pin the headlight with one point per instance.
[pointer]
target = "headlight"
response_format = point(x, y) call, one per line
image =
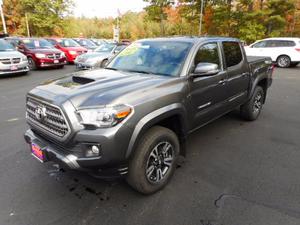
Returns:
point(40, 56)
point(104, 117)
point(24, 59)
point(72, 52)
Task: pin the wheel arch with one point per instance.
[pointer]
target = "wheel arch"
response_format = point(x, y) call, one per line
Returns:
point(172, 117)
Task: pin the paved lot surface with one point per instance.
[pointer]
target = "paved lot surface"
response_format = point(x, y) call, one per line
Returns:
point(235, 173)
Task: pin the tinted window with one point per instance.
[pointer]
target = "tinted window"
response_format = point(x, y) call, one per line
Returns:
point(208, 53)
point(233, 53)
point(279, 43)
point(36, 43)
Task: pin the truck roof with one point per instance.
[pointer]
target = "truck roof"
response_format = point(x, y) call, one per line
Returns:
point(192, 39)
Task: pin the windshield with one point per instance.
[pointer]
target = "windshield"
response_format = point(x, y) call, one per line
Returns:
point(153, 57)
point(37, 43)
point(68, 43)
point(5, 46)
point(105, 48)
point(86, 42)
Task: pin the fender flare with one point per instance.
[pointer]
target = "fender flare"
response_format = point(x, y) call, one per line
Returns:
point(154, 117)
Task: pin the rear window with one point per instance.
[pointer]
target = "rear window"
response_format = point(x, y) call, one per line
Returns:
point(233, 53)
point(280, 43)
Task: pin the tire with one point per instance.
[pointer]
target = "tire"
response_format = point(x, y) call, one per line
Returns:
point(31, 64)
point(149, 156)
point(283, 61)
point(252, 109)
point(103, 63)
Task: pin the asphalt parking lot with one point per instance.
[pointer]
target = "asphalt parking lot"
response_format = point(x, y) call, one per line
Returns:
point(235, 173)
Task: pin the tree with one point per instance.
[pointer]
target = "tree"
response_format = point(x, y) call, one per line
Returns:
point(14, 16)
point(46, 17)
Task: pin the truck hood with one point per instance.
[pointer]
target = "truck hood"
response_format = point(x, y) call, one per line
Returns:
point(100, 87)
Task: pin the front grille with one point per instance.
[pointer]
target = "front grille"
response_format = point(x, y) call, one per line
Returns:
point(54, 56)
point(5, 61)
point(16, 60)
point(53, 122)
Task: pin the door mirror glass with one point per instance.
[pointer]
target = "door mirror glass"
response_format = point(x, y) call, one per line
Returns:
point(206, 69)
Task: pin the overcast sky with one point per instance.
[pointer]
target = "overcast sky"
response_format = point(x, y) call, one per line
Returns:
point(106, 8)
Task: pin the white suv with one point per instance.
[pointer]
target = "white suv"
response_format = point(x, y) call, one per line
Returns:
point(285, 52)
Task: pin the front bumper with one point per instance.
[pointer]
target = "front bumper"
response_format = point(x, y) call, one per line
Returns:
point(21, 67)
point(20, 70)
point(45, 63)
point(84, 66)
point(72, 157)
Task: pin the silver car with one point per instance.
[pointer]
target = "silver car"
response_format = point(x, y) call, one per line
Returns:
point(99, 57)
point(12, 61)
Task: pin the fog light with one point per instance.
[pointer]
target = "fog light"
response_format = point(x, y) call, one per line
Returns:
point(92, 151)
point(95, 149)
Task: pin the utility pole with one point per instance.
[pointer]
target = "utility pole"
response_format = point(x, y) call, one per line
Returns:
point(27, 25)
point(201, 17)
point(2, 17)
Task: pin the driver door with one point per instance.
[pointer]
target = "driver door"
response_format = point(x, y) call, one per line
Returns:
point(207, 93)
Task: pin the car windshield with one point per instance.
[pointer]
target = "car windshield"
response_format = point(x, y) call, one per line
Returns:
point(86, 42)
point(105, 48)
point(5, 46)
point(152, 57)
point(68, 43)
point(37, 43)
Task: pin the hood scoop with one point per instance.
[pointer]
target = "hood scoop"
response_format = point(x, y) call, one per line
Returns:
point(82, 80)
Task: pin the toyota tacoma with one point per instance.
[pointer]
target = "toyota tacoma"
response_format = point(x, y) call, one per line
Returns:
point(132, 118)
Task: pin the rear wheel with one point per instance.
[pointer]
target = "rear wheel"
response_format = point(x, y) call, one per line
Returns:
point(252, 109)
point(154, 161)
point(284, 61)
point(31, 64)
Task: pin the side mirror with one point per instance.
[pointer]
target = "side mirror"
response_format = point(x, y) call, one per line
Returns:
point(206, 69)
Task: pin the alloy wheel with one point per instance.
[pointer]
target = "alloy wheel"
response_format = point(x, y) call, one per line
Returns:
point(159, 162)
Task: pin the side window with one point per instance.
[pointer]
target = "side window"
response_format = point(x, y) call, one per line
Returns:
point(52, 41)
point(208, 53)
point(233, 53)
point(261, 44)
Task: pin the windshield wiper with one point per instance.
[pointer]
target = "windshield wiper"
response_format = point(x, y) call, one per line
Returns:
point(110, 68)
point(138, 71)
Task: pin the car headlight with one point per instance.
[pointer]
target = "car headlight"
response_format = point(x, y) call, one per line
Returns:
point(72, 52)
point(104, 117)
point(24, 59)
point(40, 56)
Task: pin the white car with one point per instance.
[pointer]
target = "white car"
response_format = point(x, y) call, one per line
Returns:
point(285, 52)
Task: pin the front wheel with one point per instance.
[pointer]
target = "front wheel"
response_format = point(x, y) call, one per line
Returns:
point(31, 64)
point(252, 109)
point(154, 160)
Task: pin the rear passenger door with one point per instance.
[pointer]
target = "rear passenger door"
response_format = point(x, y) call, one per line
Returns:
point(238, 75)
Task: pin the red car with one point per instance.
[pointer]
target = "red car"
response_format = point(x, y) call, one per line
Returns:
point(41, 53)
point(70, 47)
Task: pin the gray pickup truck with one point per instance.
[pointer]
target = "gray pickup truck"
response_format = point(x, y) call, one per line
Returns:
point(132, 118)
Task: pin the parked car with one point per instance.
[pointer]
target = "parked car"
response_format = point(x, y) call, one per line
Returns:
point(99, 57)
point(41, 53)
point(70, 47)
point(86, 43)
point(13, 41)
point(132, 118)
point(285, 52)
point(11, 61)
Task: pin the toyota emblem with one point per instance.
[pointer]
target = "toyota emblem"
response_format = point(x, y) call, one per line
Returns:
point(40, 113)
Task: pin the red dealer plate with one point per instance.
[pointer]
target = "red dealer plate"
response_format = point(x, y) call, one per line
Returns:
point(14, 67)
point(37, 152)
